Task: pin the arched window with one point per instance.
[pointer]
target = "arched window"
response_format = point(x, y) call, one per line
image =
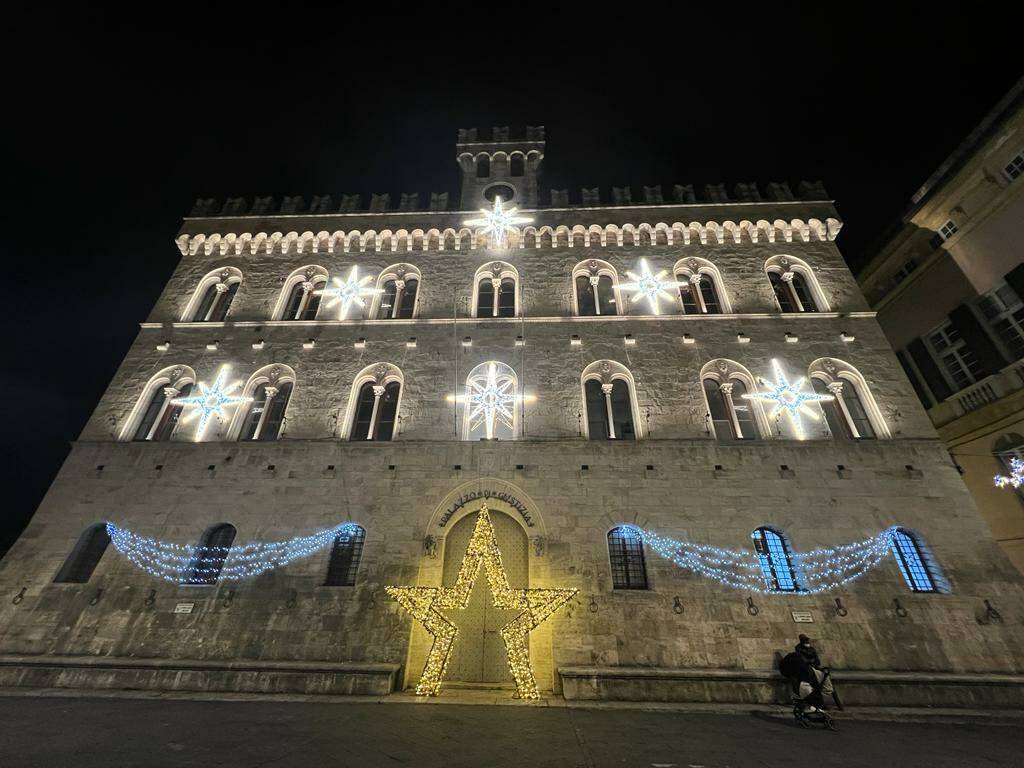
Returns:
point(626, 554)
point(84, 558)
point(725, 382)
point(155, 417)
point(852, 413)
point(700, 287)
point(265, 417)
point(496, 291)
point(610, 399)
point(299, 300)
point(398, 287)
point(483, 166)
point(266, 412)
point(375, 397)
point(517, 166)
point(213, 296)
point(776, 562)
point(595, 288)
point(346, 552)
point(491, 403)
point(795, 285)
point(209, 555)
point(913, 560)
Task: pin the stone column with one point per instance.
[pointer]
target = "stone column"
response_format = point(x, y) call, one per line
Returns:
point(695, 281)
point(270, 393)
point(730, 408)
point(496, 285)
point(787, 278)
point(378, 392)
point(607, 390)
point(594, 281)
point(399, 291)
point(836, 388)
point(169, 394)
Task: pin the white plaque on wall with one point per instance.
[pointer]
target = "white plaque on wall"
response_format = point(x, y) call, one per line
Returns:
point(187, 608)
point(802, 617)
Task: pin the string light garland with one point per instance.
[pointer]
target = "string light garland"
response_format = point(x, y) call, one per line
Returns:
point(199, 564)
point(789, 398)
point(1016, 476)
point(498, 222)
point(211, 401)
point(425, 605)
point(649, 286)
point(816, 571)
point(350, 291)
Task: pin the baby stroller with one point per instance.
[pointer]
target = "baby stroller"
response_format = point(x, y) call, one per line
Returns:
point(805, 688)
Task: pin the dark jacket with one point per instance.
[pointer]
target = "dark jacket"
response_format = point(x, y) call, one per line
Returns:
point(809, 654)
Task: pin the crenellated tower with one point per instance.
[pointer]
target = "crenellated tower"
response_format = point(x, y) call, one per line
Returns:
point(501, 166)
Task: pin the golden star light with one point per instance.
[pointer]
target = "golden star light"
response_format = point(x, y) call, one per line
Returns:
point(649, 286)
point(534, 605)
point(350, 291)
point(210, 401)
point(789, 397)
point(498, 222)
point(490, 401)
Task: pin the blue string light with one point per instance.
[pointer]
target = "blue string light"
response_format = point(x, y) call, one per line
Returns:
point(195, 564)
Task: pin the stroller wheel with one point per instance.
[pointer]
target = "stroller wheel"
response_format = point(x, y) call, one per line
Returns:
point(804, 722)
point(830, 724)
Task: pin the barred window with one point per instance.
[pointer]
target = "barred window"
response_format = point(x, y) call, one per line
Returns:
point(626, 553)
point(1015, 167)
point(776, 562)
point(84, 558)
point(910, 558)
point(346, 552)
point(209, 555)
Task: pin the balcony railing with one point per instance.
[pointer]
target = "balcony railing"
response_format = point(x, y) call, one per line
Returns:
point(978, 395)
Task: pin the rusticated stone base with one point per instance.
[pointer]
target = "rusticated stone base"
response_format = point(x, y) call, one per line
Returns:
point(880, 688)
point(93, 672)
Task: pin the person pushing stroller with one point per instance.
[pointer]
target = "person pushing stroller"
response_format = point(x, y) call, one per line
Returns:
point(821, 676)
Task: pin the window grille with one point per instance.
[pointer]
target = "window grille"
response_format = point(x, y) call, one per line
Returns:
point(626, 553)
point(774, 557)
point(911, 561)
point(346, 553)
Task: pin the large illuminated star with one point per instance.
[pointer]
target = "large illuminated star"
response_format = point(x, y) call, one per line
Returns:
point(350, 291)
point(1016, 477)
point(534, 606)
point(789, 397)
point(490, 402)
point(210, 401)
point(648, 286)
point(498, 222)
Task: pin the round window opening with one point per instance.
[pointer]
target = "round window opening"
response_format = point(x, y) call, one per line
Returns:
point(505, 191)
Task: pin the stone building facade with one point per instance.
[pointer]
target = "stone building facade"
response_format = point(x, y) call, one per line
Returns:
point(680, 465)
point(948, 286)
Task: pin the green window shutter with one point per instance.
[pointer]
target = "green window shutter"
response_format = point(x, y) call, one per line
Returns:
point(926, 365)
point(977, 339)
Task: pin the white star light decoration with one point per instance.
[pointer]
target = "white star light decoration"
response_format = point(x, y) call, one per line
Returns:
point(498, 222)
point(210, 401)
point(350, 291)
point(648, 286)
point(789, 397)
point(490, 402)
point(1016, 478)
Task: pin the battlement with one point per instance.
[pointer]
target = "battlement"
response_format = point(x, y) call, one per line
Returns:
point(587, 197)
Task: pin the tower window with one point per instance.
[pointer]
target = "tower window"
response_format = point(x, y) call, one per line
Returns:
point(84, 558)
point(911, 560)
point(776, 562)
point(346, 552)
point(483, 167)
point(209, 555)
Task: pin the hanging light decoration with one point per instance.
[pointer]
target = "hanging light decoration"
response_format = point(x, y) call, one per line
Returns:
point(498, 222)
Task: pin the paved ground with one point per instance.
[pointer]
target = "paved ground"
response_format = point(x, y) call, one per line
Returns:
point(53, 732)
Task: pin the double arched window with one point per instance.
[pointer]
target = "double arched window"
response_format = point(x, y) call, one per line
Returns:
point(731, 416)
point(80, 564)
point(213, 296)
point(346, 552)
point(700, 287)
point(374, 400)
point(773, 554)
point(795, 286)
point(496, 293)
point(209, 555)
point(270, 389)
point(626, 556)
point(595, 288)
point(155, 417)
point(852, 413)
point(918, 567)
point(398, 287)
point(609, 394)
point(298, 299)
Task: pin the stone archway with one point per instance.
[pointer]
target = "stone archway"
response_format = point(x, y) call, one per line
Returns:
point(479, 656)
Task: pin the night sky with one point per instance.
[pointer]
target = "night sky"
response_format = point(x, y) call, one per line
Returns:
point(115, 123)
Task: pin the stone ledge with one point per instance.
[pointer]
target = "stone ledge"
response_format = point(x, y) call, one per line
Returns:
point(856, 688)
point(110, 672)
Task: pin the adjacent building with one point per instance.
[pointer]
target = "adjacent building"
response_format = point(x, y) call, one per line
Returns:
point(948, 286)
point(678, 407)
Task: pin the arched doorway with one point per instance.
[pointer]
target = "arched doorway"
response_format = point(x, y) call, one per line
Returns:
point(479, 652)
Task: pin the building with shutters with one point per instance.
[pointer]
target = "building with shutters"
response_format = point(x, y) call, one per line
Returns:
point(948, 286)
point(327, 392)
